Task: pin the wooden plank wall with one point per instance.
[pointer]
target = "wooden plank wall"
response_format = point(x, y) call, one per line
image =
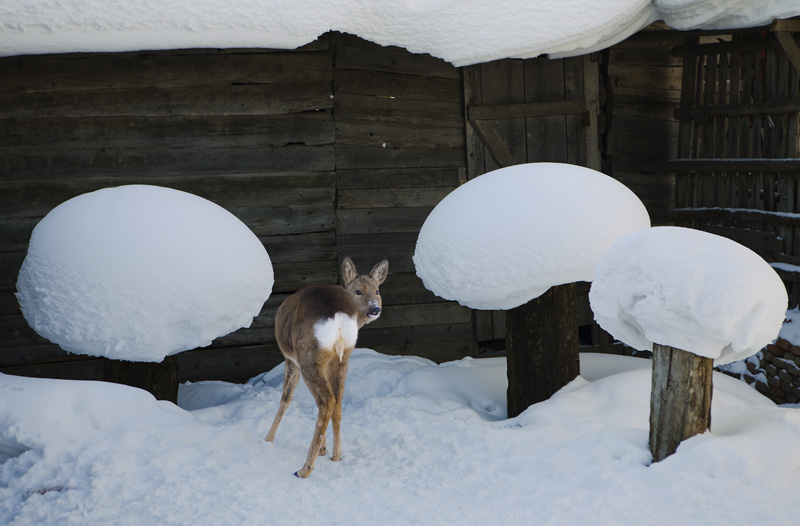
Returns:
point(399, 151)
point(252, 131)
point(644, 89)
point(552, 138)
point(319, 161)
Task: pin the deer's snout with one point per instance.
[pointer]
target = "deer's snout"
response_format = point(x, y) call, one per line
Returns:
point(374, 311)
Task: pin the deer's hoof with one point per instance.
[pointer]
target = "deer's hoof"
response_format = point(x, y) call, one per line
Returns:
point(302, 473)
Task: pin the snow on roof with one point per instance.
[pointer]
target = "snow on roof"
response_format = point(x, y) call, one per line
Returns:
point(141, 272)
point(506, 237)
point(459, 31)
point(696, 291)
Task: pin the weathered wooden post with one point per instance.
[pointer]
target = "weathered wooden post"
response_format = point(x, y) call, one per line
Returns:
point(695, 299)
point(541, 337)
point(680, 398)
point(506, 241)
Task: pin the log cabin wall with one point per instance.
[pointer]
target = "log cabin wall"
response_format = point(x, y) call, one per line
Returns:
point(400, 148)
point(644, 90)
point(339, 148)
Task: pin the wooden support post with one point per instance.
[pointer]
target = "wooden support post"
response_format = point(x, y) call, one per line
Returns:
point(680, 399)
point(542, 347)
point(159, 379)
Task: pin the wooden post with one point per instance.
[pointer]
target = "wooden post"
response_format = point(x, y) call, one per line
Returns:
point(541, 347)
point(159, 379)
point(680, 399)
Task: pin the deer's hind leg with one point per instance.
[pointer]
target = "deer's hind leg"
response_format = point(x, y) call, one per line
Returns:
point(338, 374)
point(321, 389)
point(291, 375)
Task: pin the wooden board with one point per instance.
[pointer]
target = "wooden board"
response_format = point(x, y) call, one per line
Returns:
point(141, 102)
point(164, 70)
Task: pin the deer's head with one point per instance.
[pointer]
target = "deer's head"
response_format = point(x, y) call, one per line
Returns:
point(363, 289)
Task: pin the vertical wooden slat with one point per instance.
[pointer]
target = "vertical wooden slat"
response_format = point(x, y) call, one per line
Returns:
point(685, 129)
point(472, 97)
point(591, 93)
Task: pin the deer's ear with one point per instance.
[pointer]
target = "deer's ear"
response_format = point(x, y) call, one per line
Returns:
point(380, 271)
point(349, 272)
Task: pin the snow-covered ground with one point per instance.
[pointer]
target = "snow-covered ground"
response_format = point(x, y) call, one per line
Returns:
point(423, 444)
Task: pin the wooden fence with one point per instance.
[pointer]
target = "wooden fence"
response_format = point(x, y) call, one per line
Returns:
point(738, 168)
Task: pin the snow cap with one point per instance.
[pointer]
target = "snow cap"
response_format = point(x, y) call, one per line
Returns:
point(688, 289)
point(504, 238)
point(459, 31)
point(141, 272)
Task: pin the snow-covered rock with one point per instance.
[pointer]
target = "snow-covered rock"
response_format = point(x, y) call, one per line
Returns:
point(459, 31)
point(506, 237)
point(688, 289)
point(141, 272)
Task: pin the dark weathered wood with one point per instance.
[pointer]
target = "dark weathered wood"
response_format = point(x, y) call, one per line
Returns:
point(398, 177)
point(728, 110)
point(397, 135)
point(542, 347)
point(92, 71)
point(150, 162)
point(378, 220)
point(391, 198)
point(405, 288)
point(437, 114)
point(394, 61)
point(235, 364)
point(411, 87)
point(547, 136)
point(527, 109)
point(195, 101)
point(493, 142)
point(422, 314)
point(474, 144)
point(159, 379)
point(736, 165)
point(646, 77)
point(734, 215)
point(451, 332)
point(252, 131)
point(21, 199)
point(680, 400)
point(350, 157)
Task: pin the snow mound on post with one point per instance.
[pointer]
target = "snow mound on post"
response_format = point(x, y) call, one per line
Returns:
point(506, 237)
point(688, 289)
point(141, 272)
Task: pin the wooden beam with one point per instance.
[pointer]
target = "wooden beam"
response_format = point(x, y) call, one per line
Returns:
point(790, 47)
point(730, 110)
point(527, 109)
point(735, 214)
point(792, 26)
point(591, 90)
point(734, 165)
point(494, 143)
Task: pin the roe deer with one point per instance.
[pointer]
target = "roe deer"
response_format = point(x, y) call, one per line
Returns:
point(316, 329)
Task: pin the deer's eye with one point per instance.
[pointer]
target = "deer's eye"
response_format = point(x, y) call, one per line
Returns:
point(359, 293)
point(377, 293)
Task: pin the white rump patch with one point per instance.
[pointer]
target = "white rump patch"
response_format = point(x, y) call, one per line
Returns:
point(337, 333)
